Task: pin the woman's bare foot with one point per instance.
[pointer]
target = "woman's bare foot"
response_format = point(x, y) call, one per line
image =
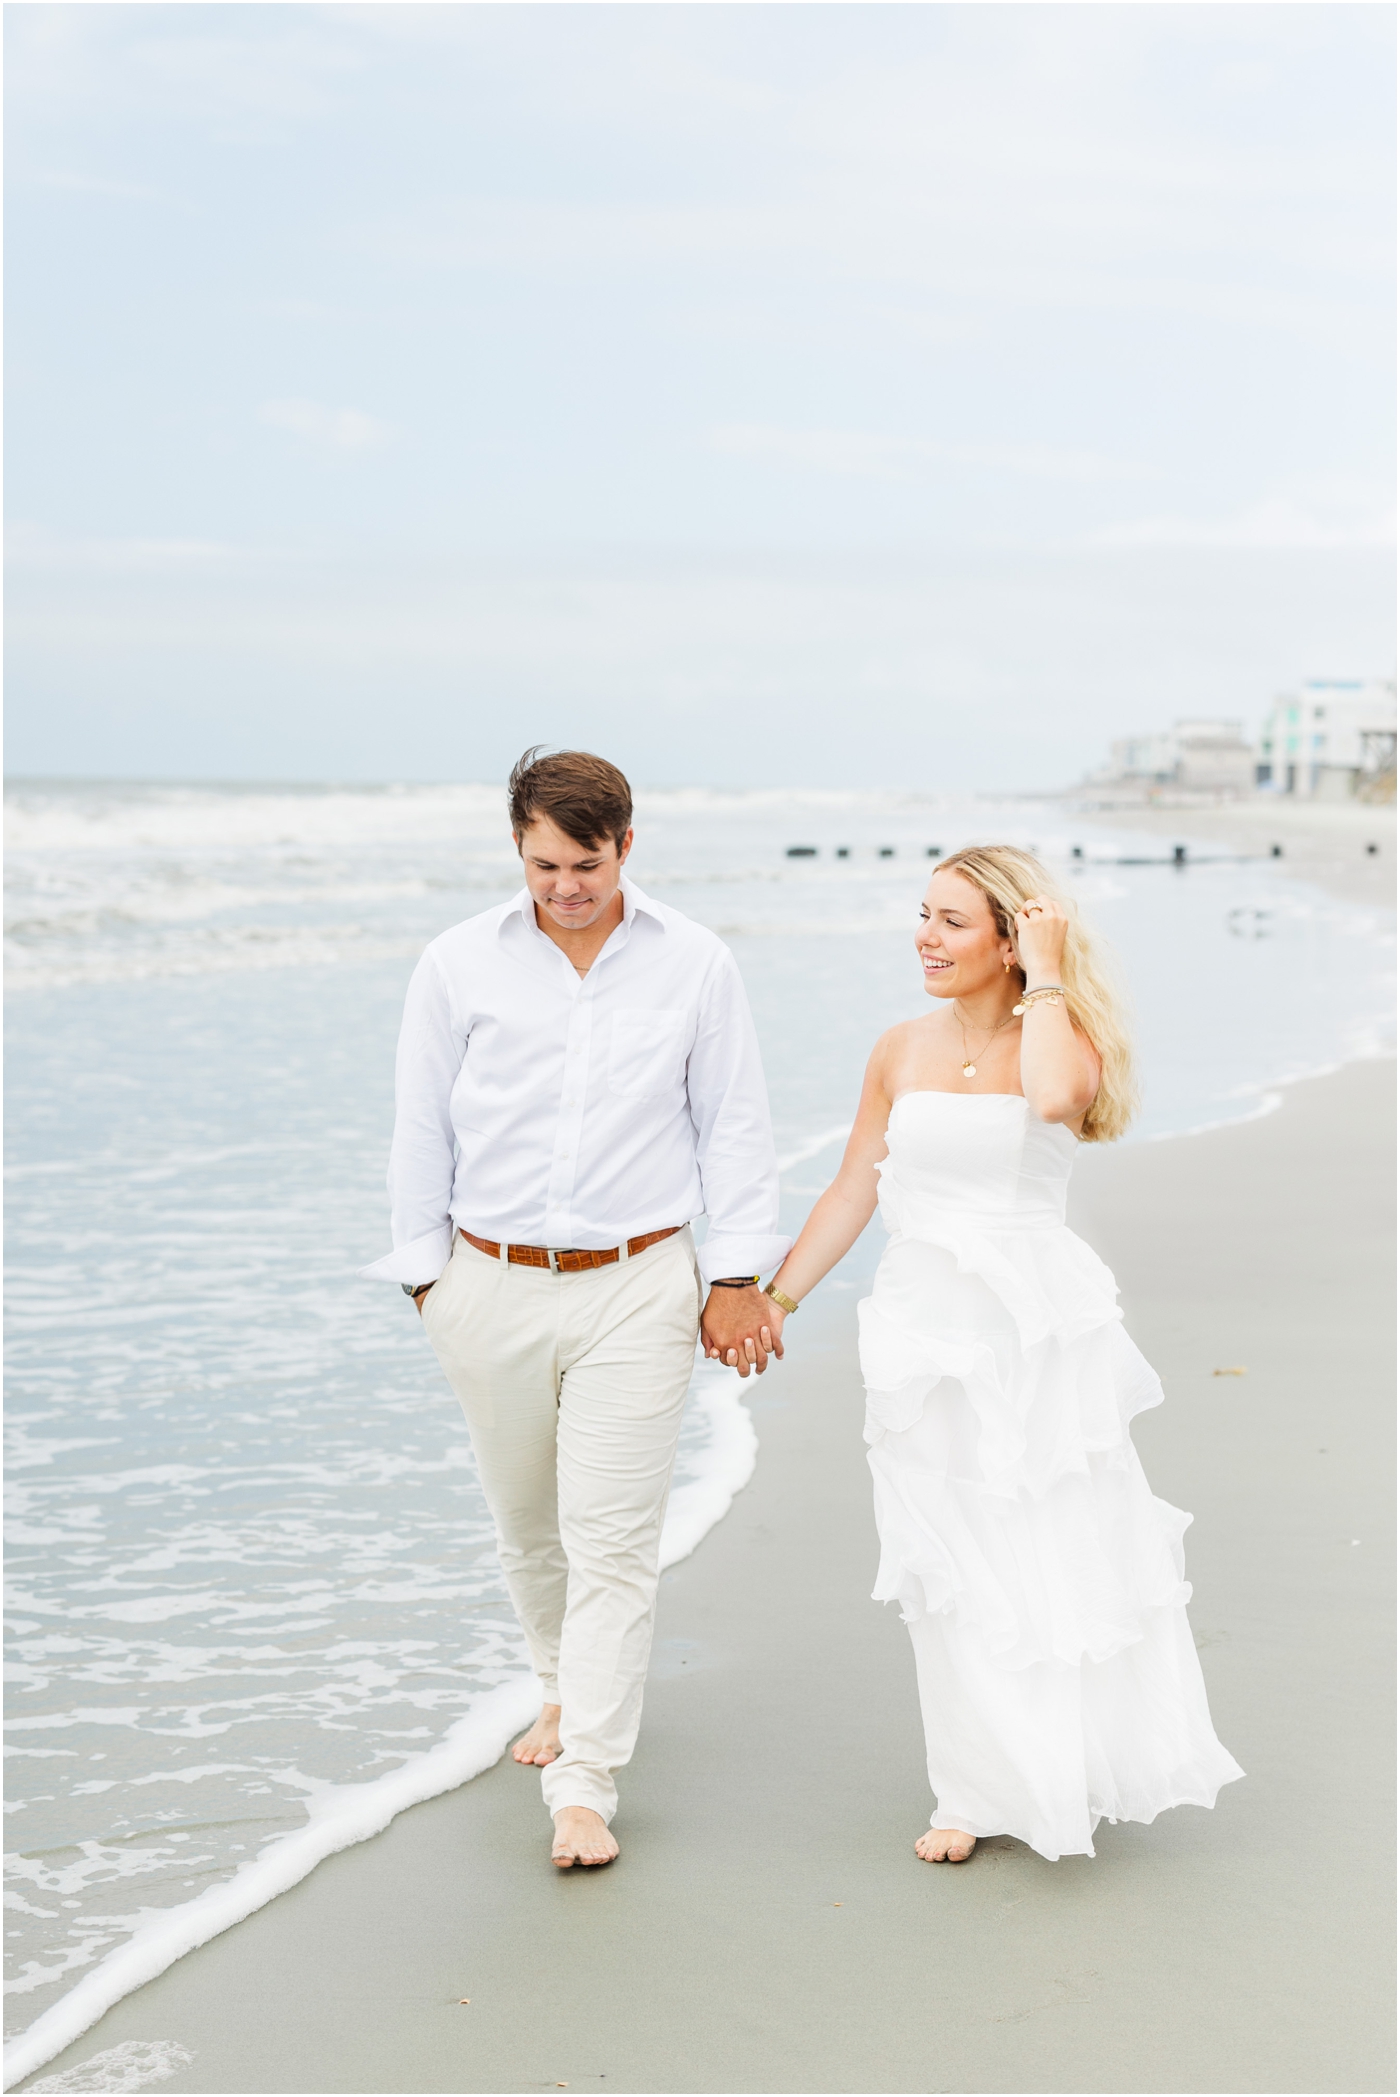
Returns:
point(581, 1836)
point(541, 1744)
point(945, 1846)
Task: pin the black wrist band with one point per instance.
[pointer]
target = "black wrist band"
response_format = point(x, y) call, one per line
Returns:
point(736, 1281)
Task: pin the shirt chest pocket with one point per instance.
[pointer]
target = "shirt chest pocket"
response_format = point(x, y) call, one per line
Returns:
point(646, 1057)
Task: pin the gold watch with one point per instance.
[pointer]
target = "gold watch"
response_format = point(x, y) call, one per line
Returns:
point(784, 1303)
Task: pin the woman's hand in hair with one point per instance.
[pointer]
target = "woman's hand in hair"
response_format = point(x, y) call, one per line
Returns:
point(1041, 926)
point(1059, 1067)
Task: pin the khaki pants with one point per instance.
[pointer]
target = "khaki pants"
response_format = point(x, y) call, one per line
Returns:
point(573, 1387)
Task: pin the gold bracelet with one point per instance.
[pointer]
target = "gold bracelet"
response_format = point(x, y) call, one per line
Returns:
point(1049, 992)
point(784, 1303)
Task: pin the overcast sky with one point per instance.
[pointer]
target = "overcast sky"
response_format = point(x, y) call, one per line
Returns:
point(828, 393)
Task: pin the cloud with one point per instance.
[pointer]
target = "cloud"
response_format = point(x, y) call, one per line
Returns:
point(870, 455)
point(961, 669)
point(976, 152)
point(34, 546)
point(325, 429)
point(1275, 524)
point(285, 67)
point(858, 452)
point(78, 184)
point(534, 234)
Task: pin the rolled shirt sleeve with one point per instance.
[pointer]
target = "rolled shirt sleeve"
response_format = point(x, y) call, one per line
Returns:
point(422, 1160)
point(733, 1132)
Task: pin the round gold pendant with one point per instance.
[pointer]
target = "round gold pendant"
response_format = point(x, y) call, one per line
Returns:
point(969, 1070)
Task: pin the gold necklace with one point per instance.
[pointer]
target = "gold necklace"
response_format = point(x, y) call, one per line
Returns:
point(969, 1069)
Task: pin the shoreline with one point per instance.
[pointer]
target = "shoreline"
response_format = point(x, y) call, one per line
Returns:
point(1323, 841)
point(729, 1950)
point(356, 1812)
point(349, 1814)
point(355, 1802)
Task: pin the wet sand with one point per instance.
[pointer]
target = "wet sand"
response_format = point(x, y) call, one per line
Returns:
point(1322, 841)
point(768, 1927)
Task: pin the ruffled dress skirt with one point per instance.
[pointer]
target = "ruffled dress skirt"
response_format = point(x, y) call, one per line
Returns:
point(1042, 1581)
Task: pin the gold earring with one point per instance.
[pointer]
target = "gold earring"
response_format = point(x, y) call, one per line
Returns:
point(1006, 965)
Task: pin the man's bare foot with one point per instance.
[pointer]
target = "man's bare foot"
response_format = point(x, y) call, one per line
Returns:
point(541, 1744)
point(581, 1836)
point(945, 1846)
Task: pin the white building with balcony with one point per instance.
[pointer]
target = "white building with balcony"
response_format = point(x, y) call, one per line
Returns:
point(1328, 740)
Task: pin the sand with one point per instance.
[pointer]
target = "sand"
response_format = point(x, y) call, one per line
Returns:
point(1322, 841)
point(768, 1927)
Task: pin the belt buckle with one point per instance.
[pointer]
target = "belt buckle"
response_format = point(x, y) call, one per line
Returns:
point(553, 1258)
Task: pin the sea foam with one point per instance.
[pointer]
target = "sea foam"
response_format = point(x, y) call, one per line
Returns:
point(350, 1813)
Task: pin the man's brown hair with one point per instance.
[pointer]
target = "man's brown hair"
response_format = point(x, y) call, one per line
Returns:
point(582, 795)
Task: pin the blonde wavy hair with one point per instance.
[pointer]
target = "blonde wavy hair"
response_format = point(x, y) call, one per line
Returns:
point(1008, 878)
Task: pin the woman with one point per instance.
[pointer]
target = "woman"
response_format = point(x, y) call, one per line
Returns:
point(1041, 1581)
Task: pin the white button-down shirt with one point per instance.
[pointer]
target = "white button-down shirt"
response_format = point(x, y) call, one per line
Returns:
point(538, 1107)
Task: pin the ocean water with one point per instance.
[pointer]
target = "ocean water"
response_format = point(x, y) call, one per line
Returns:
point(252, 1585)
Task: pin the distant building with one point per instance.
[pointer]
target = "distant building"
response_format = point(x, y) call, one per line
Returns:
point(1150, 759)
point(1330, 740)
point(1195, 758)
point(1212, 757)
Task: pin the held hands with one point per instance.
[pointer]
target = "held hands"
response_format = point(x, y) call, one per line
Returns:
point(1041, 926)
point(741, 1327)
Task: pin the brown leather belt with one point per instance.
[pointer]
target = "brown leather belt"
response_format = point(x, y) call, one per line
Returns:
point(567, 1262)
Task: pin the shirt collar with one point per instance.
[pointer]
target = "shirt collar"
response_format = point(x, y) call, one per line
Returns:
point(634, 899)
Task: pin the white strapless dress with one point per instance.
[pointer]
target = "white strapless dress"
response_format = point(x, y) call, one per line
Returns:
point(1043, 1584)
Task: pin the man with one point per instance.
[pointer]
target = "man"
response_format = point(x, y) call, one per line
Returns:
point(578, 1078)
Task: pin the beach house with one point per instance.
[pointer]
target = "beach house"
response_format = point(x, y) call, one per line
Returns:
point(1195, 760)
point(1330, 740)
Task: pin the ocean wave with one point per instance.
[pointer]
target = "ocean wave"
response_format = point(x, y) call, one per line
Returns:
point(134, 2065)
point(1371, 1044)
point(217, 951)
point(895, 923)
point(139, 905)
point(341, 1815)
point(62, 820)
point(814, 1146)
